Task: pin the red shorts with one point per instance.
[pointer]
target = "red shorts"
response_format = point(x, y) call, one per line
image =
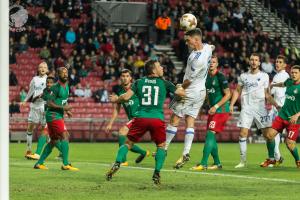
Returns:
point(292, 129)
point(56, 129)
point(140, 126)
point(129, 124)
point(217, 121)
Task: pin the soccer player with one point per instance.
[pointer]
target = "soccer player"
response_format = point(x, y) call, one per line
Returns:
point(151, 92)
point(279, 97)
point(130, 107)
point(289, 115)
point(194, 85)
point(253, 88)
point(218, 98)
point(57, 105)
point(36, 113)
point(44, 135)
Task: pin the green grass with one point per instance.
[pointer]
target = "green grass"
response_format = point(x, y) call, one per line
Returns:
point(132, 183)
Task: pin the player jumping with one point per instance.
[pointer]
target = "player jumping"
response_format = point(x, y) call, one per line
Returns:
point(151, 92)
point(194, 85)
point(130, 108)
point(218, 95)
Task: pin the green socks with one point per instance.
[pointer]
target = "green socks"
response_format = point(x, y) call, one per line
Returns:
point(41, 142)
point(121, 140)
point(215, 155)
point(271, 148)
point(123, 150)
point(47, 151)
point(137, 149)
point(64, 145)
point(210, 143)
point(295, 154)
point(159, 158)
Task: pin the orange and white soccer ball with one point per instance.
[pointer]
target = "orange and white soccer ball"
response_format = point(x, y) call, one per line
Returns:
point(188, 22)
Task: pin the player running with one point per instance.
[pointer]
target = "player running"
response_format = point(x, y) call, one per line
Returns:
point(194, 85)
point(130, 108)
point(57, 105)
point(36, 113)
point(253, 88)
point(288, 117)
point(42, 140)
point(279, 97)
point(151, 92)
point(218, 98)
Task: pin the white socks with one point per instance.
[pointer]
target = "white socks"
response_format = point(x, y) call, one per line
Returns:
point(243, 148)
point(188, 140)
point(277, 154)
point(29, 140)
point(171, 132)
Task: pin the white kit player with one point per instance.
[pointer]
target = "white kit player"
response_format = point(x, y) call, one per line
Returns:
point(194, 85)
point(36, 113)
point(253, 88)
point(279, 97)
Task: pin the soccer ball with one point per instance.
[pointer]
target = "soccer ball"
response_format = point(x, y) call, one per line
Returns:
point(188, 22)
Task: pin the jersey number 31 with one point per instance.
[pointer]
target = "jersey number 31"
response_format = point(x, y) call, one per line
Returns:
point(147, 92)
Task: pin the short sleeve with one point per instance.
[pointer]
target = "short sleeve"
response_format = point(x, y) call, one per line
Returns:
point(266, 81)
point(288, 82)
point(170, 86)
point(134, 86)
point(222, 81)
point(53, 93)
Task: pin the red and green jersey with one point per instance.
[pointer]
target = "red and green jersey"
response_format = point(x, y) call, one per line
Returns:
point(291, 104)
point(215, 86)
point(46, 96)
point(59, 95)
point(151, 93)
point(130, 106)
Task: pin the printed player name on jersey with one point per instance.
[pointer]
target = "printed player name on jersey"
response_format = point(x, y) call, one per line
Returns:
point(150, 81)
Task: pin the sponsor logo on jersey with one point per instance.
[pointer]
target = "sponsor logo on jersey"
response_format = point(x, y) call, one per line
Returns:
point(250, 85)
point(212, 90)
point(292, 98)
point(129, 103)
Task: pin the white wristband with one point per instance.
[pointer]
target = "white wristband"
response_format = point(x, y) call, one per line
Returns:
point(216, 106)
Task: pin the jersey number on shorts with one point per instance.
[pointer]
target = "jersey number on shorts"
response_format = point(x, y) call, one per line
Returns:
point(291, 134)
point(264, 119)
point(147, 91)
point(212, 124)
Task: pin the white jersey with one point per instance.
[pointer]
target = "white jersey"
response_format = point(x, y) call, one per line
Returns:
point(279, 92)
point(196, 69)
point(36, 87)
point(253, 89)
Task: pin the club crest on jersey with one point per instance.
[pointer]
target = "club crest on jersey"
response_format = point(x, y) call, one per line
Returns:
point(295, 91)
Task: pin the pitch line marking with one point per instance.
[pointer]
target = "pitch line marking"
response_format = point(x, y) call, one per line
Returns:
point(178, 171)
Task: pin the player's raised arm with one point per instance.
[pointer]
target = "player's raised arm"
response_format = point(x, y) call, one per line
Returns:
point(116, 111)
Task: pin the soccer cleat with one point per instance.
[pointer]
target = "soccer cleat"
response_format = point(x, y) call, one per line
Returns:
point(156, 178)
point(268, 163)
point(182, 160)
point(69, 167)
point(215, 167)
point(141, 157)
point(112, 171)
point(27, 154)
point(199, 168)
point(124, 164)
point(242, 164)
point(33, 156)
point(279, 162)
point(40, 166)
point(298, 163)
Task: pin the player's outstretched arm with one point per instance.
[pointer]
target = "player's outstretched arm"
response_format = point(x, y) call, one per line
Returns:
point(271, 100)
point(235, 95)
point(277, 85)
point(51, 104)
point(124, 97)
point(114, 116)
point(186, 83)
point(180, 92)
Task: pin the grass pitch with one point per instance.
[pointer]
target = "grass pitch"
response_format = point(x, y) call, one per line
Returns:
point(134, 182)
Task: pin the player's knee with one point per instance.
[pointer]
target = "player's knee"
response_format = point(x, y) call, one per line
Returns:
point(244, 133)
point(65, 135)
point(174, 121)
point(190, 122)
point(290, 144)
point(129, 143)
point(123, 130)
point(30, 127)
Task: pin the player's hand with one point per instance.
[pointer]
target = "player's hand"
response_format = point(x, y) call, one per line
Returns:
point(231, 109)
point(67, 108)
point(178, 85)
point(212, 110)
point(70, 114)
point(113, 98)
point(294, 119)
point(108, 128)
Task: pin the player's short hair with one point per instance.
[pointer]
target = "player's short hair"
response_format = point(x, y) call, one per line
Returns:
point(256, 54)
point(124, 71)
point(296, 67)
point(216, 57)
point(194, 32)
point(149, 66)
point(50, 78)
point(282, 57)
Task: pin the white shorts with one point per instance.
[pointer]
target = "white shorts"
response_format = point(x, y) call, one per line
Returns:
point(37, 115)
point(261, 118)
point(191, 106)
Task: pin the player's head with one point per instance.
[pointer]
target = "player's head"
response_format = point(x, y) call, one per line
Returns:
point(254, 61)
point(125, 77)
point(63, 74)
point(213, 63)
point(280, 63)
point(42, 69)
point(193, 38)
point(295, 73)
point(50, 81)
point(153, 68)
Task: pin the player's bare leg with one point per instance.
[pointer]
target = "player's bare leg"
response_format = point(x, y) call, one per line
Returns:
point(31, 126)
point(269, 134)
point(243, 147)
point(188, 140)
